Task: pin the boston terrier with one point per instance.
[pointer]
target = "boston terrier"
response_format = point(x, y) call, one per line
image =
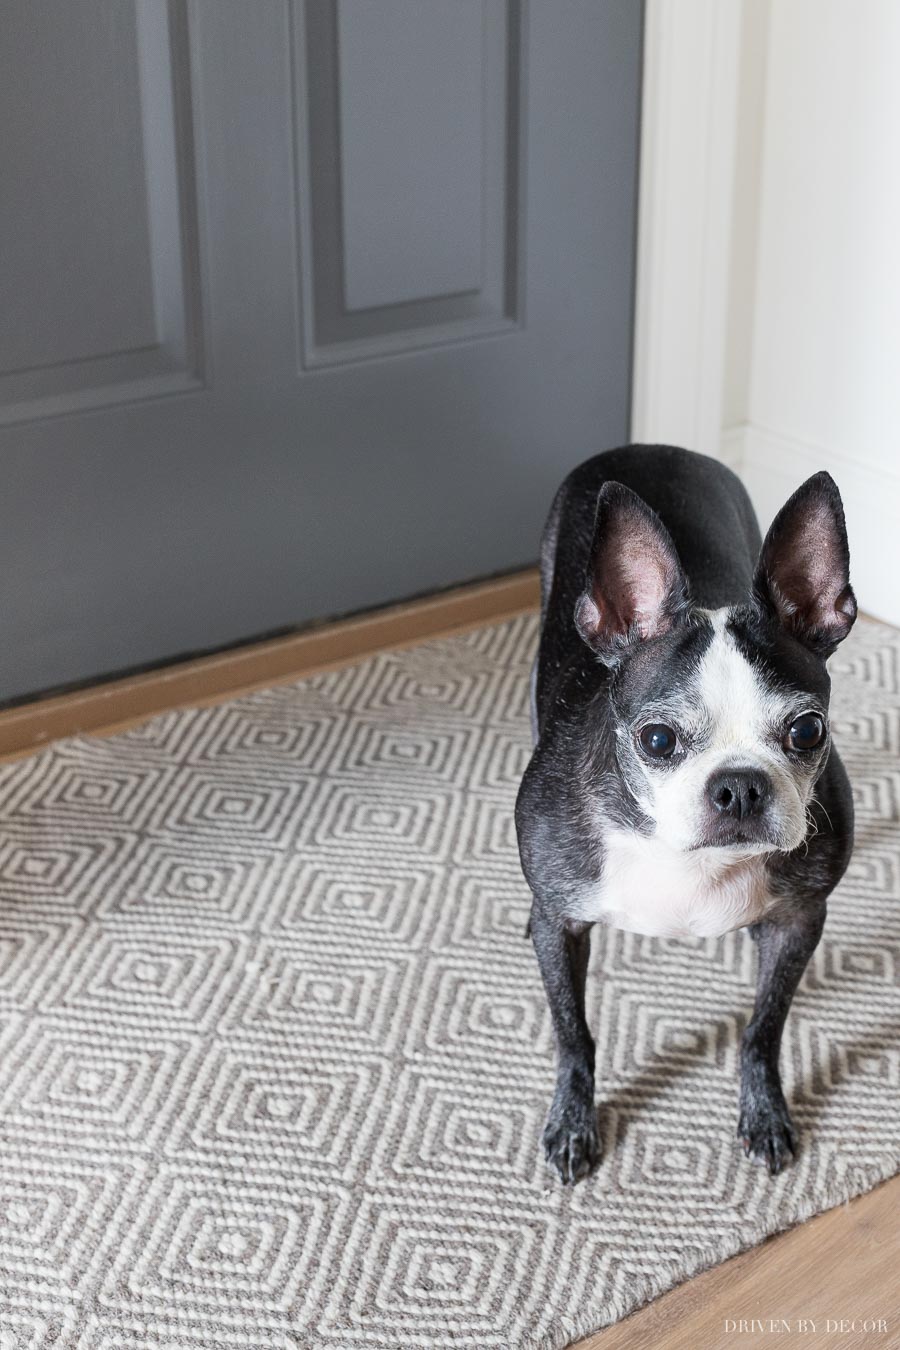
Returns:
point(683, 779)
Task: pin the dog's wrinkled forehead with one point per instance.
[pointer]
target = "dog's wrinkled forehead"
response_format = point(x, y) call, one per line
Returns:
point(721, 675)
point(658, 675)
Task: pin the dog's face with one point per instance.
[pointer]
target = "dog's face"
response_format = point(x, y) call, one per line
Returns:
point(721, 717)
point(720, 737)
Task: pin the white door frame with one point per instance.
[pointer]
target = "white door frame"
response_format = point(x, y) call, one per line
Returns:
point(690, 106)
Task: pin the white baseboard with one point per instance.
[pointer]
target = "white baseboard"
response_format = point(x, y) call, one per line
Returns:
point(772, 465)
point(731, 448)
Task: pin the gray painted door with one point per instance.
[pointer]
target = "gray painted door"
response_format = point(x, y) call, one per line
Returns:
point(306, 306)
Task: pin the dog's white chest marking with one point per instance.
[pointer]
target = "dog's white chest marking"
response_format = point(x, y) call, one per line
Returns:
point(648, 887)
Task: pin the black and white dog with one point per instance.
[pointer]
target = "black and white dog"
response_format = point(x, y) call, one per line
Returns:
point(683, 779)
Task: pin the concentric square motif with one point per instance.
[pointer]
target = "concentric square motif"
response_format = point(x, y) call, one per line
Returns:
point(275, 1054)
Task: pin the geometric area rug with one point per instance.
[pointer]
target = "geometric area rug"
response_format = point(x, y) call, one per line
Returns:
point(274, 1053)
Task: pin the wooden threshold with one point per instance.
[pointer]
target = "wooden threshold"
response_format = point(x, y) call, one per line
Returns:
point(116, 704)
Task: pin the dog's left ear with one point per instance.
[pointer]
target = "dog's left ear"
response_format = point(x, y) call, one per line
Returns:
point(803, 575)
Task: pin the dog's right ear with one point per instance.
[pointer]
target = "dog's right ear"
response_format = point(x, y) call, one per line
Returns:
point(635, 587)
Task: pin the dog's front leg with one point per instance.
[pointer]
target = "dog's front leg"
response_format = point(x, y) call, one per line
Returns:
point(785, 946)
point(570, 1134)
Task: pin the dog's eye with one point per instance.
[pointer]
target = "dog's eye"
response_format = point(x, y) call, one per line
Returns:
point(657, 740)
point(806, 732)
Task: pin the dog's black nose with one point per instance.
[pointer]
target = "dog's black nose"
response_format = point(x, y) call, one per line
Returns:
point(738, 792)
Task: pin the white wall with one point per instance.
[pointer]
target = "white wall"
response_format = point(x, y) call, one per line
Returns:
point(824, 371)
point(801, 194)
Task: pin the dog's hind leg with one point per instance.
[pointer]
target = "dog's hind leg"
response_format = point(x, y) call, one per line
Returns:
point(549, 538)
point(532, 700)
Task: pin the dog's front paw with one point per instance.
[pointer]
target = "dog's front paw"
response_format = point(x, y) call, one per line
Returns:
point(767, 1133)
point(571, 1143)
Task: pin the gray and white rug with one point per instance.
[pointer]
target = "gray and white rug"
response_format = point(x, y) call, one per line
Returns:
point(274, 1054)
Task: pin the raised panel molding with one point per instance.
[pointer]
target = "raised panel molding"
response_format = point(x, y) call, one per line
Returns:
point(411, 119)
point(434, 256)
point(171, 361)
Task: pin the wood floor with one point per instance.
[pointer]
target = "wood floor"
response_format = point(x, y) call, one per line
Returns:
point(843, 1266)
point(795, 1289)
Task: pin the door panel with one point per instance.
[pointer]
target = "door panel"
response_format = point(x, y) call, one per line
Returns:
point(96, 217)
point(410, 148)
point(353, 329)
point(410, 236)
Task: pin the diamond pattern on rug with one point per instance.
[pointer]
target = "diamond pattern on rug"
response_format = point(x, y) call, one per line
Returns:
point(275, 1055)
